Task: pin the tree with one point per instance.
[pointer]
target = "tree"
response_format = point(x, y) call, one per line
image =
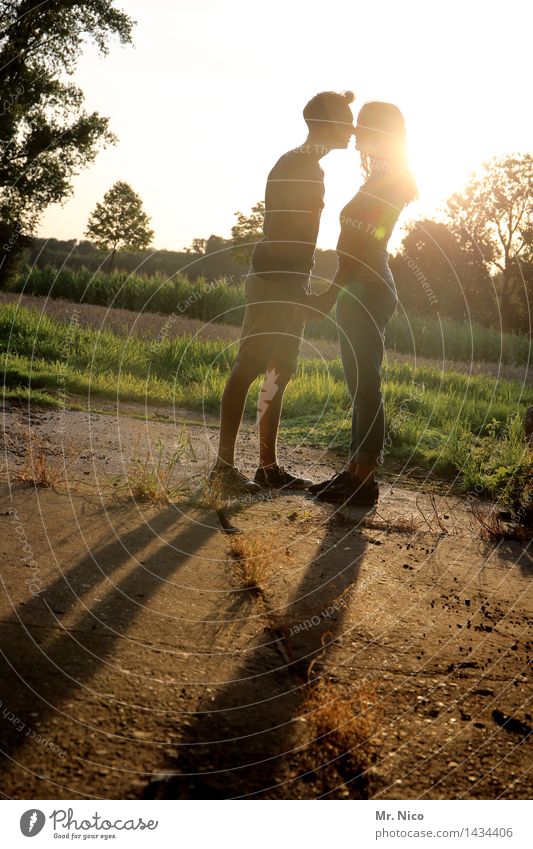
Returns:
point(46, 136)
point(198, 246)
point(246, 232)
point(119, 222)
point(522, 295)
point(494, 215)
point(434, 271)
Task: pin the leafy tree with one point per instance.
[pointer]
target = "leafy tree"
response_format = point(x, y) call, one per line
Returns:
point(494, 215)
point(119, 222)
point(198, 246)
point(247, 231)
point(46, 136)
point(522, 294)
point(435, 272)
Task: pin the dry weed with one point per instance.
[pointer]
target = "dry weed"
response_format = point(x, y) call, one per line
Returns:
point(341, 726)
point(253, 557)
point(35, 466)
point(493, 528)
point(153, 478)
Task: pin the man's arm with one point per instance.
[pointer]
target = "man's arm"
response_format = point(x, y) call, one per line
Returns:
point(294, 204)
point(317, 307)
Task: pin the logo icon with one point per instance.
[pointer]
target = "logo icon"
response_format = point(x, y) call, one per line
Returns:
point(32, 822)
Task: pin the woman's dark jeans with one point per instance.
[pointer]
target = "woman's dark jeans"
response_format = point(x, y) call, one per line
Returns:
point(363, 312)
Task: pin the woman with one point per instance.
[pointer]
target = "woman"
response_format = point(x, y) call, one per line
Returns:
point(367, 297)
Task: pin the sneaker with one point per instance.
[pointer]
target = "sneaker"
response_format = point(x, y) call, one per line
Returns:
point(351, 491)
point(366, 495)
point(317, 488)
point(229, 479)
point(276, 477)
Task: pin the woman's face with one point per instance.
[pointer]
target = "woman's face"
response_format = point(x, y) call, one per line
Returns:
point(367, 140)
point(379, 134)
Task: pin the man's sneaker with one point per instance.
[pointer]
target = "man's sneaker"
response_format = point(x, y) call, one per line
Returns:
point(230, 480)
point(351, 491)
point(276, 477)
point(330, 483)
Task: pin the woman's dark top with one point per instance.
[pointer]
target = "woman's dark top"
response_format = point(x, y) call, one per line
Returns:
point(367, 222)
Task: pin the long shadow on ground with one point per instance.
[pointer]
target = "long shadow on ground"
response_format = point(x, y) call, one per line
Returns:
point(248, 741)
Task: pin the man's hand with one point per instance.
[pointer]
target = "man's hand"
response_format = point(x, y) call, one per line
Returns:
point(317, 307)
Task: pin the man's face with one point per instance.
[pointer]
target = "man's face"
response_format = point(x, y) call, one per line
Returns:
point(341, 133)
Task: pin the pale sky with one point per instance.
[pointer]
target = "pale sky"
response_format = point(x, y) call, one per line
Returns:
point(211, 95)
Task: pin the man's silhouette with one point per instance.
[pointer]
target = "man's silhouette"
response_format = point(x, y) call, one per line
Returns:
point(277, 293)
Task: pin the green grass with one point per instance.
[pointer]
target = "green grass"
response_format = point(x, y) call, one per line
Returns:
point(452, 423)
point(219, 301)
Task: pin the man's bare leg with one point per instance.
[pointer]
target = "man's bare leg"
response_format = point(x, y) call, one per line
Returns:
point(270, 404)
point(232, 408)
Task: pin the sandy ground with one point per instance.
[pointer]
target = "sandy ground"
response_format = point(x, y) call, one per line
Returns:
point(151, 324)
point(139, 664)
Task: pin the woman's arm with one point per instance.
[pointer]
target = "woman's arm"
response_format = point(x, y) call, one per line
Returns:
point(317, 307)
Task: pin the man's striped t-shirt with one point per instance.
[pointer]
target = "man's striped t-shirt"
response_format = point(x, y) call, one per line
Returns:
point(294, 200)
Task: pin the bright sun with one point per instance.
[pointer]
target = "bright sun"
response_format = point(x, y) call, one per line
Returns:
point(440, 171)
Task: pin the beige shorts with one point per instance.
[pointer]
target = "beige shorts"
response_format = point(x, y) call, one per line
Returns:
point(273, 325)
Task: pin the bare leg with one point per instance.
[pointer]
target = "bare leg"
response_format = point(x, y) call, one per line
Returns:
point(232, 408)
point(270, 404)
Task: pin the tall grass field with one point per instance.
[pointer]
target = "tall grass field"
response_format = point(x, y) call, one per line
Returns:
point(223, 302)
point(469, 427)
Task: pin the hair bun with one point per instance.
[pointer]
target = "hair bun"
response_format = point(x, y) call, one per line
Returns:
point(349, 96)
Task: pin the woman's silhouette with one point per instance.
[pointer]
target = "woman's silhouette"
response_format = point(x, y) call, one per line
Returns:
point(367, 298)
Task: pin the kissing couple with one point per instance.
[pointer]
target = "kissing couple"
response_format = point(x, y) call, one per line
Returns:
point(279, 299)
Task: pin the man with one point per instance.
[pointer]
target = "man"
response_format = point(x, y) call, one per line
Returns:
point(277, 292)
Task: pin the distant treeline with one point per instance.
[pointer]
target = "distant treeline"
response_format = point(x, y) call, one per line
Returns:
point(435, 276)
point(215, 261)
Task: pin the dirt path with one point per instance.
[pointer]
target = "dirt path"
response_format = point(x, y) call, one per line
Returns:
point(377, 657)
point(151, 324)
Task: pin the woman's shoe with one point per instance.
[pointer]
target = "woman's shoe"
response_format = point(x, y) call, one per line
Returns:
point(330, 483)
point(351, 491)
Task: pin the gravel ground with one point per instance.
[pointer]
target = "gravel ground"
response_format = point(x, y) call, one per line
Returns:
point(140, 663)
